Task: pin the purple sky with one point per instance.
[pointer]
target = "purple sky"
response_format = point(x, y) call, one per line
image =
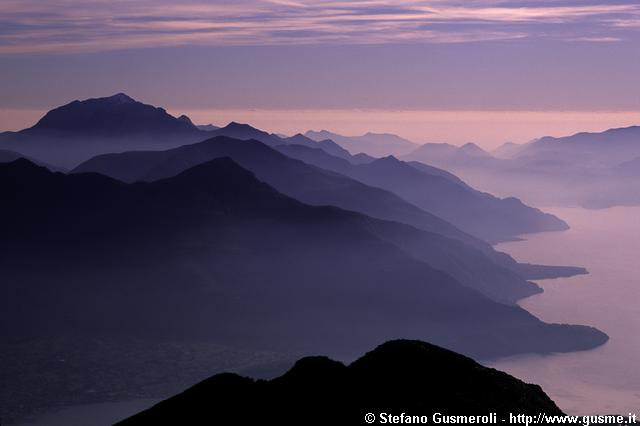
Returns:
point(447, 55)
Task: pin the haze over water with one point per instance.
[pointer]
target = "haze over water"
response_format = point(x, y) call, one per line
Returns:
point(606, 242)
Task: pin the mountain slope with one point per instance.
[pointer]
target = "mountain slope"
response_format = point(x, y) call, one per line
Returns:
point(214, 254)
point(472, 262)
point(7, 156)
point(441, 193)
point(409, 377)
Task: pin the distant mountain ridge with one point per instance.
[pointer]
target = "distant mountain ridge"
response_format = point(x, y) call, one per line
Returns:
point(411, 378)
point(588, 169)
point(441, 193)
point(72, 133)
point(374, 144)
point(452, 157)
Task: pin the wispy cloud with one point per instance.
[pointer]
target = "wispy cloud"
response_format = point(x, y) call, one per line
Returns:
point(32, 26)
point(597, 39)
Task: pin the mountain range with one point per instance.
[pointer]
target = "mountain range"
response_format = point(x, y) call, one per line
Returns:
point(213, 253)
point(591, 164)
point(436, 191)
point(409, 378)
point(478, 264)
point(592, 170)
point(75, 132)
point(83, 121)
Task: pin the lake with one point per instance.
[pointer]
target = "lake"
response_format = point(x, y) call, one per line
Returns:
point(607, 243)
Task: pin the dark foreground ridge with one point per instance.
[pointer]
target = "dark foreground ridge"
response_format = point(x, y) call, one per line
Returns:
point(401, 376)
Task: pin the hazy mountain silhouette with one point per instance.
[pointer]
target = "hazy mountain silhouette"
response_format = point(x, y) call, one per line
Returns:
point(246, 132)
point(583, 169)
point(508, 150)
point(207, 127)
point(361, 158)
point(74, 132)
point(609, 147)
point(326, 145)
point(441, 193)
point(212, 253)
point(401, 376)
point(374, 144)
point(474, 262)
point(452, 157)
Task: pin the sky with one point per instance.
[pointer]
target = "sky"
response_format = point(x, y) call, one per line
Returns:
point(333, 58)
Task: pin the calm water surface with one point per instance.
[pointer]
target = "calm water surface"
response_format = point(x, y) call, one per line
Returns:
point(607, 242)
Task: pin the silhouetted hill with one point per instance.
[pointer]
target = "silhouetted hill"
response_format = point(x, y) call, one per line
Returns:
point(214, 254)
point(399, 377)
point(117, 115)
point(374, 144)
point(246, 132)
point(473, 262)
point(441, 193)
point(74, 132)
